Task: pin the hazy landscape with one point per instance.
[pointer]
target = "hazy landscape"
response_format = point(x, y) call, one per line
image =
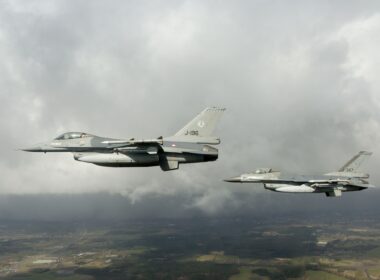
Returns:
point(216, 248)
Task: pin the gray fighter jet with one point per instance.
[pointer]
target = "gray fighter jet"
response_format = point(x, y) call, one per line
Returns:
point(332, 184)
point(193, 143)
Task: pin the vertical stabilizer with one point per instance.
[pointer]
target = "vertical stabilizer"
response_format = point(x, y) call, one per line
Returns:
point(204, 124)
point(353, 164)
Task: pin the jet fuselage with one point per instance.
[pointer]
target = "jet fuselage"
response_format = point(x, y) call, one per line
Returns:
point(346, 179)
point(112, 152)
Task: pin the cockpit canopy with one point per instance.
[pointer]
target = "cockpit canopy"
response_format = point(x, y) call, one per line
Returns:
point(72, 135)
point(263, 170)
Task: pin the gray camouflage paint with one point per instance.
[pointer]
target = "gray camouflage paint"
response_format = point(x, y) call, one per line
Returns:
point(332, 184)
point(168, 153)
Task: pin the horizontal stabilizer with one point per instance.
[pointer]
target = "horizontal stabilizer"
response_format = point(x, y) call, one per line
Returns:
point(194, 139)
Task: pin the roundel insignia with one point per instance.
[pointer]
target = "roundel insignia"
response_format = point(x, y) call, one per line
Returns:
point(201, 123)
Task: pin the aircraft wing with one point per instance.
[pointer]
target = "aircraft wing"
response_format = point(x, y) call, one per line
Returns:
point(328, 184)
point(144, 146)
point(133, 141)
point(263, 181)
point(330, 181)
point(296, 180)
point(152, 150)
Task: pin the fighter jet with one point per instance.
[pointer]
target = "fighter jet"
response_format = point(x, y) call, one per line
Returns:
point(346, 179)
point(193, 143)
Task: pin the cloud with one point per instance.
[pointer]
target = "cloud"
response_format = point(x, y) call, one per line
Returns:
point(298, 79)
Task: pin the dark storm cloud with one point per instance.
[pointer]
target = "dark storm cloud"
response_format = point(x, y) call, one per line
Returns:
point(298, 80)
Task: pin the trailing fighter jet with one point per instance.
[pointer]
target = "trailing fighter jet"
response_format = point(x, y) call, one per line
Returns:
point(193, 143)
point(332, 184)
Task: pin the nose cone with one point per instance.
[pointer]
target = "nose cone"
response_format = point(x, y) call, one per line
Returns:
point(36, 148)
point(233, 180)
point(40, 147)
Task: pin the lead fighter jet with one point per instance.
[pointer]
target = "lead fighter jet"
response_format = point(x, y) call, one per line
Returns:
point(332, 184)
point(193, 143)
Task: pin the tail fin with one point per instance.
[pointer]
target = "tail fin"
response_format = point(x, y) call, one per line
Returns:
point(204, 124)
point(353, 164)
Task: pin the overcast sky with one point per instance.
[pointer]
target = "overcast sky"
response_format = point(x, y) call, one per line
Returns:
point(299, 80)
